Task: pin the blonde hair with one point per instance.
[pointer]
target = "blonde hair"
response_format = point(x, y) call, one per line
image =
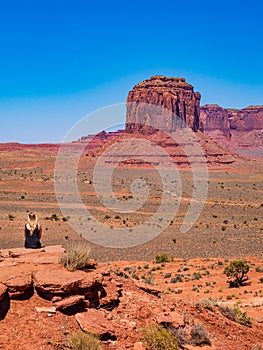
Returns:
point(32, 223)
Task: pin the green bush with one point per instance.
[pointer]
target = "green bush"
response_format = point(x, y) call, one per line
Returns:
point(83, 341)
point(242, 317)
point(237, 271)
point(161, 258)
point(236, 315)
point(76, 257)
point(158, 338)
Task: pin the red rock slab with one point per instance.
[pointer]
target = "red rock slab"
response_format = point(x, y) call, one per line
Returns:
point(69, 302)
point(95, 322)
point(17, 284)
point(58, 281)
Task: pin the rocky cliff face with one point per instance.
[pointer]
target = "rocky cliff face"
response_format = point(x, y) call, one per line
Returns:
point(213, 117)
point(249, 118)
point(237, 129)
point(178, 105)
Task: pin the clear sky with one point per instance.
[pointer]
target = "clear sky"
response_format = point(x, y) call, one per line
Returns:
point(62, 59)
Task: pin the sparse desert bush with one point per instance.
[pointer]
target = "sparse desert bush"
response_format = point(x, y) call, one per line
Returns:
point(199, 335)
point(161, 258)
point(207, 303)
point(83, 341)
point(242, 317)
point(235, 314)
point(259, 268)
point(149, 279)
point(237, 271)
point(196, 276)
point(167, 275)
point(54, 217)
point(260, 280)
point(158, 338)
point(76, 257)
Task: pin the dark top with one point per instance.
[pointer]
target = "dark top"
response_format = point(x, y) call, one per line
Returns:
point(34, 240)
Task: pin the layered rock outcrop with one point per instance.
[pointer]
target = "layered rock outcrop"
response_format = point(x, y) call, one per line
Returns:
point(248, 119)
point(213, 117)
point(177, 105)
point(237, 129)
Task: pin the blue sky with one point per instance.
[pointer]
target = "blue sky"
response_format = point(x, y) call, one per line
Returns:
point(62, 59)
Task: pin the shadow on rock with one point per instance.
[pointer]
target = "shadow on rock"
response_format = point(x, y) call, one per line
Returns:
point(4, 306)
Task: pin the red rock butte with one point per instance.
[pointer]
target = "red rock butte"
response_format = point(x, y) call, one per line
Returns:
point(179, 105)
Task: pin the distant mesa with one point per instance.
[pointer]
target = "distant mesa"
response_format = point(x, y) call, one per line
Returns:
point(167, 104)
point(180, 105)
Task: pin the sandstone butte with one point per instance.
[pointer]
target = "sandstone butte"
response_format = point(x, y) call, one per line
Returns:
point(168, 104)
point(180, 105)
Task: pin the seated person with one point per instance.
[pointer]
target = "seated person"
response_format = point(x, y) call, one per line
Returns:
point(33, 232)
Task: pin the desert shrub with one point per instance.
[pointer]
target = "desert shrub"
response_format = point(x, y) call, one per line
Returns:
point(54, 217)
point(178, 291)
point(259, 268)
point(207, 303)
point(199, 335)
point(161, 258)
point(83, 341)
point(167, 275)
point(242, 317)
point(149, 279)
point(135, 276)
point(181, 336)
point(158, 338)
point(260, 280)
point(196, 276)
point(235, 314)
point(237, 271)
point(176, 279)
point(76, 257)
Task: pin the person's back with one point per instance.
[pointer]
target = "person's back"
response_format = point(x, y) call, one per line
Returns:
point(33, 232)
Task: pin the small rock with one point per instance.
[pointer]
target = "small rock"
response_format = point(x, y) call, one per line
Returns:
point(49, 309)
point(91, 263)
point(55, 299)
point(69, 301)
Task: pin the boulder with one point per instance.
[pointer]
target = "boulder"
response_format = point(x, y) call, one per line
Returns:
point(173, 318)
point(18, 284)
point(94, 321)
point(60, 282)
point(109, 294)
